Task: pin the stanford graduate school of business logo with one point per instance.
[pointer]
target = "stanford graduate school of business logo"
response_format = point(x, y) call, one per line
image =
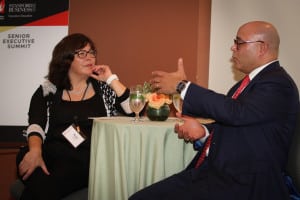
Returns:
point(2, 9)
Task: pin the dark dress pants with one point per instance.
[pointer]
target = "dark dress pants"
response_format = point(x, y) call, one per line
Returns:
point(66, 176)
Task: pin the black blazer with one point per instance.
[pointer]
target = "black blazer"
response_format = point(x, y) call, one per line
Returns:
point(252, 136)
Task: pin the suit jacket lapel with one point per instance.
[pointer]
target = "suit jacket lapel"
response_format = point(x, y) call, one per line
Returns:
point(259, 76)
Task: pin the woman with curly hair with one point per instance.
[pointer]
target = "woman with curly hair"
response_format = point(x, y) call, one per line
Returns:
point(56, 161)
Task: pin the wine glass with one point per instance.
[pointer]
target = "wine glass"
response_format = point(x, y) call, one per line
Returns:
point(137, 101)
point(177, 102)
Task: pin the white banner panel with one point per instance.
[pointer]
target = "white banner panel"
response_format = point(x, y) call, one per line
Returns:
point(29, 30)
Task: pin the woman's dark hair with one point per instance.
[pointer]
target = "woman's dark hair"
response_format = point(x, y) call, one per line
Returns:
point(63, 56)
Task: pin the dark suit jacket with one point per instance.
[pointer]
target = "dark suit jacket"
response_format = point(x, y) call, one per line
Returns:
point(252, 136)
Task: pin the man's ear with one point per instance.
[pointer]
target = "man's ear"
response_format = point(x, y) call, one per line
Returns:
point(263, 49)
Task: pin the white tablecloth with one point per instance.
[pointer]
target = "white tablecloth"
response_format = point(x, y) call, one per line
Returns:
point(127, 156)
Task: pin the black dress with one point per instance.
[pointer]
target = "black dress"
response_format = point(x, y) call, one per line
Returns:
point(68, 166)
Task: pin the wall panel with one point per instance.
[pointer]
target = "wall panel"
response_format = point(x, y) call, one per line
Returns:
point(136, 37)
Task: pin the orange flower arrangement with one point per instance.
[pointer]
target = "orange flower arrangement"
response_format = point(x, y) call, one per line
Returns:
point(156, 100)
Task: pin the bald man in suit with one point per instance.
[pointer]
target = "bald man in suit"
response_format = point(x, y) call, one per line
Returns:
point(248, 144)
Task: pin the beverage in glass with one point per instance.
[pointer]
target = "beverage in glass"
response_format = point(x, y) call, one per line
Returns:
point(177, 102)
point(136, 101)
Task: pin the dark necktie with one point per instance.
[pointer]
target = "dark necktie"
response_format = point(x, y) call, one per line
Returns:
point(201, 159)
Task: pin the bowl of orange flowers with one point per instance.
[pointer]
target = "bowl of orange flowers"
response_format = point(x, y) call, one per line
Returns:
point(158, 105)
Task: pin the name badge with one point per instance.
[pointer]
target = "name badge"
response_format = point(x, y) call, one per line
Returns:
point(73, 136)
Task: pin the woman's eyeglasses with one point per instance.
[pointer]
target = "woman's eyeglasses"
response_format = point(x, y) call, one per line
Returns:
point(84, 53)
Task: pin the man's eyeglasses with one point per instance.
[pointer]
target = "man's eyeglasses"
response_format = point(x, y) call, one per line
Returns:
point(83, 53)
point(239, 42)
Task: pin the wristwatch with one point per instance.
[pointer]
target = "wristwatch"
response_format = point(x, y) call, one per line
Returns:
point(181, 85)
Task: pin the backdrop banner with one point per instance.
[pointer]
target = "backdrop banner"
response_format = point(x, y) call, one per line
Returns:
point(29, 30)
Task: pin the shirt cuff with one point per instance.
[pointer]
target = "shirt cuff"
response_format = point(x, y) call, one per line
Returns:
point(203, 139)
point(183, 92)
point(199, 143)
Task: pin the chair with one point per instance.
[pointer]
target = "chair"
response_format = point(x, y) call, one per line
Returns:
point(17, 188)
point(293, 166)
